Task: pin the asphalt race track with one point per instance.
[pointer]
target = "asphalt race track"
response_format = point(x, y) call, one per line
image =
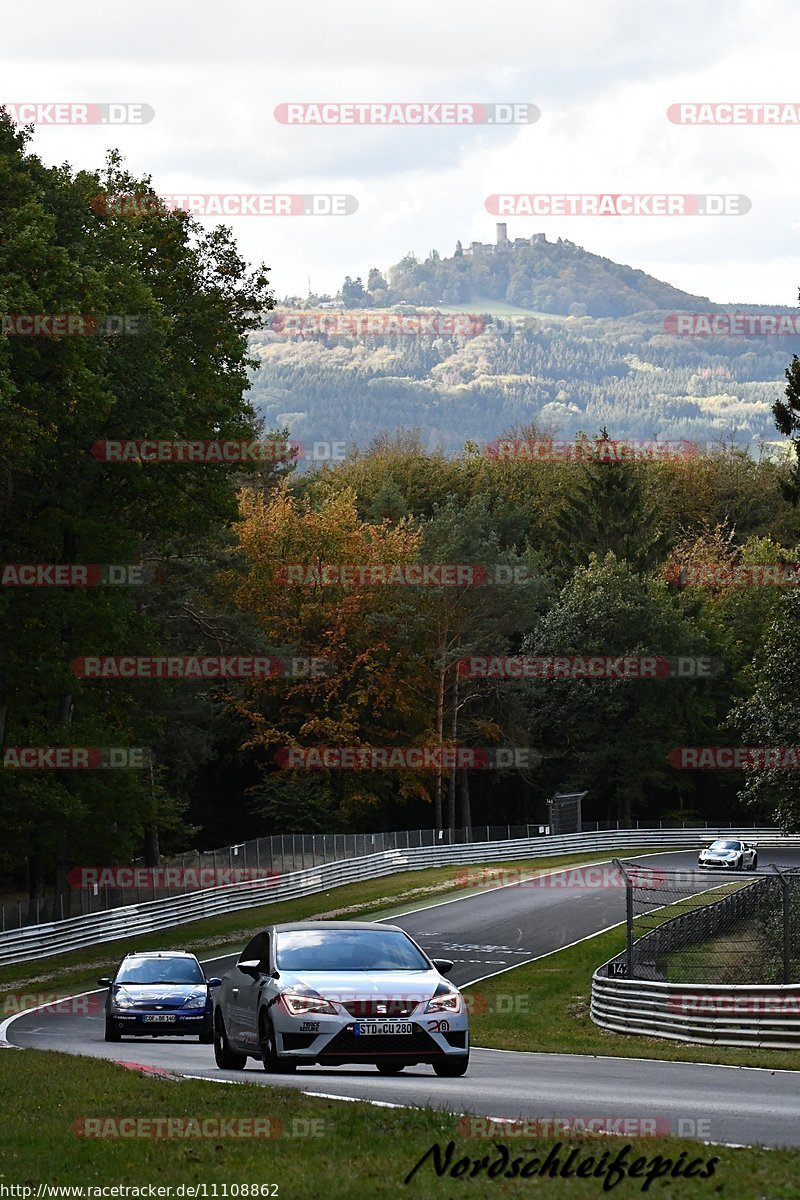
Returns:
point(485, 934)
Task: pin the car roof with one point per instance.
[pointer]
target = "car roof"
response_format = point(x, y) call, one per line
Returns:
point(295, 926)
point(160, 954)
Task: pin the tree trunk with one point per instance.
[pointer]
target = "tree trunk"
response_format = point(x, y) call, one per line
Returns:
point(35, 874)
point(152, 854)
point(62, 888)
point(466, 808)
point(437, 806)
point(451, 791)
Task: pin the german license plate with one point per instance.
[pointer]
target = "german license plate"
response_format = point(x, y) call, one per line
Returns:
point(378, 1028)
point(159, 1017)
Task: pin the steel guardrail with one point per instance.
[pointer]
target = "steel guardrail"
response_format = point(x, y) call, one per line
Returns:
point(74, 933)
point(757, 1015)
point(763, 1016)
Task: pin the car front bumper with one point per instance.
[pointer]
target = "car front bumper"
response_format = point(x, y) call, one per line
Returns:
point(336, 1042)
point(136, 1024)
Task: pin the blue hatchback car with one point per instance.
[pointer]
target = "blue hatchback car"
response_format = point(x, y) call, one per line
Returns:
point(158, 993)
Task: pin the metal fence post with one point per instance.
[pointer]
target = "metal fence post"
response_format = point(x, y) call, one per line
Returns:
point(628, 918)
point(787, 932)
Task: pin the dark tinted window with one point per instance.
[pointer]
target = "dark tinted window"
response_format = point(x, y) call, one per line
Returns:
point(257, 949)
point(160, 970)
point(726, 845)
point(348, 950)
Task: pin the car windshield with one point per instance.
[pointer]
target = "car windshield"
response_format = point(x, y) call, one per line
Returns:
point(160, 970)
point(348, 950)
point(723, 845)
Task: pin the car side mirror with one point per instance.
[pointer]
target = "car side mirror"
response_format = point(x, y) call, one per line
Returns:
point(215, 982)
point(104, 981)
point(251, 967)
point(443, 965)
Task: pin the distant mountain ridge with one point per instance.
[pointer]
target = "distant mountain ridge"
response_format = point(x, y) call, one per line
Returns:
point(590, 344)
point(530, 273)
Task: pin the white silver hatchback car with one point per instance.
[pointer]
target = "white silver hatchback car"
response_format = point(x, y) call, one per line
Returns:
point(335, 992)
point(730, 853)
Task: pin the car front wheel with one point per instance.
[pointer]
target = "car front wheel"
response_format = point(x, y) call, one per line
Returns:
point(225, 1058)
point(269, 1053)
point(112, 1032)
point(451, 1068)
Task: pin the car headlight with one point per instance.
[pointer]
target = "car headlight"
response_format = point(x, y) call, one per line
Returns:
point(196, 1000)
point(444, 999)
point(300, 1001)
point(123, 1000)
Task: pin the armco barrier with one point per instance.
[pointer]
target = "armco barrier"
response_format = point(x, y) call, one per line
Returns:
point(747, 1014)
point(765, 1016)
point(58, 937)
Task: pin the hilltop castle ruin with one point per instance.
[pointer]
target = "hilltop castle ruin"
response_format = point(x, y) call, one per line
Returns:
point(501, 246)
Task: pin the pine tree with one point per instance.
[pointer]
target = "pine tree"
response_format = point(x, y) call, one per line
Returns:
point(787, 420)
point(610, 509)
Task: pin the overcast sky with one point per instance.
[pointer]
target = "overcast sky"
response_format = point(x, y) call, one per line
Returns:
point(602, 74)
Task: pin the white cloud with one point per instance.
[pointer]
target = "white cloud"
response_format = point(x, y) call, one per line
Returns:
point(602, 74)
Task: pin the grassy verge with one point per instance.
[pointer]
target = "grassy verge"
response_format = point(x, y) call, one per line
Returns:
point(544, 1006)
point(355, 1149)
point(740, 955)
point(79, 969)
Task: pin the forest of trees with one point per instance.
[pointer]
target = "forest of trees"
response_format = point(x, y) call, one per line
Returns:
point(597, 349)
point(564, 374)
point(593, 548)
